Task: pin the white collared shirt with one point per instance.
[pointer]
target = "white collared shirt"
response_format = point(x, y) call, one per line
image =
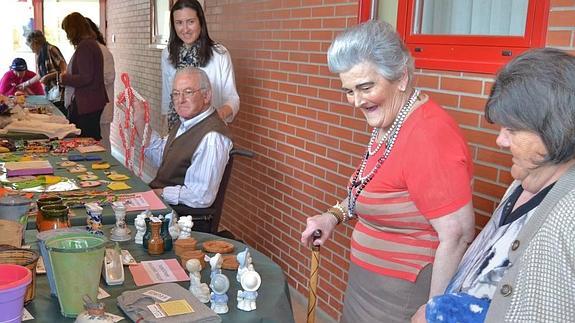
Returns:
point(207, 166)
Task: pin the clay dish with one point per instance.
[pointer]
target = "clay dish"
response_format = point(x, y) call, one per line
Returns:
point(230, 262)
point(192, 254)
point(218, 246)
point(182, 245)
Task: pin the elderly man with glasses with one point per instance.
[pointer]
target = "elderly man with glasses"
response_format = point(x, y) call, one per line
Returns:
point(193, 157)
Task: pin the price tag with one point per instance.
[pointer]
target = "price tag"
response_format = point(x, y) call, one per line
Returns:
point(156, 311)
point(157, 295)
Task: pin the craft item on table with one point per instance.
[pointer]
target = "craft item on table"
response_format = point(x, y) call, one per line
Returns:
point(127, 258)
point(120, 232)
point(173, 227)
point(219, 299)
point(93, 312)
point(218, 246)
point(101, 165)
point(84, 157)
point(86, 184)
point(140, 223)
point(118, 186)
point(229, 262)
point(200, 290)
point(90, 149)
point(192, 254)
point(9, 158)
point(127, 103)
point(77, 169)
point(182, 245)
point(36, 167)
point(46, 127)
point(251, 282)
point(158, 271)
point(113, 272)
point(245, 263)
point(94, 219)
point(67, 163)
point(185, 224)
point(135, 304)
point(142, 201)
point(88, 177)
point(156, 242)
point(118, 177)
point(215, 264)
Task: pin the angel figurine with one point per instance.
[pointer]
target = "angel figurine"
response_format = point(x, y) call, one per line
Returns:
point(200, 290)
point(219, 299)
point(215, 264)
point(251, 282)
point(185, 223)
point(140, 223)
point(245, 263)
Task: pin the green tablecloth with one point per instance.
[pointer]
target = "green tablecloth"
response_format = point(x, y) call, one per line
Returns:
point(273, 303)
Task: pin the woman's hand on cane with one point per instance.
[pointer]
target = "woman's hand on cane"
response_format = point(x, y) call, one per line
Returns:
point(325, 222)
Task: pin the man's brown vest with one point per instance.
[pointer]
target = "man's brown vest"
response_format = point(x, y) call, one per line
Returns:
point(178, 152)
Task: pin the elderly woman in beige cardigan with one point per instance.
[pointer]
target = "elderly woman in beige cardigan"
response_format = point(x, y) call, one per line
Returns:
point(521, 268)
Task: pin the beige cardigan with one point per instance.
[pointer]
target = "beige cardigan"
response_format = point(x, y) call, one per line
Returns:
point(540, 285)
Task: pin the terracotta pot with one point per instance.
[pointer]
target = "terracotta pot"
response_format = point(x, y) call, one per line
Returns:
point(156, 243)
point(192, 254)
point(182, 245)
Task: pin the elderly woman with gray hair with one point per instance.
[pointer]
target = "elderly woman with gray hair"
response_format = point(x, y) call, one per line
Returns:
point(521, 266)
point(411, 192)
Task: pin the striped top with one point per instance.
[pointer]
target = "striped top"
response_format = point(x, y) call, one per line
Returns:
point(426, 176)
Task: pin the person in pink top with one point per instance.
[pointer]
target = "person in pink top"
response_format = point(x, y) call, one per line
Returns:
point(410, 197)
point(17, 79)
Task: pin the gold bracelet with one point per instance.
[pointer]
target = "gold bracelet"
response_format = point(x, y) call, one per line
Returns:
point(338, 212)
point(335, 215)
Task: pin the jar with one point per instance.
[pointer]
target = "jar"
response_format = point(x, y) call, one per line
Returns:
point(147, 234)
point(165, 233)
point(54, 217)
point(156, 242)
point(53, 200)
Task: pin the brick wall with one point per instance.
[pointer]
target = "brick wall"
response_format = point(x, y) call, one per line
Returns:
point(306, 137)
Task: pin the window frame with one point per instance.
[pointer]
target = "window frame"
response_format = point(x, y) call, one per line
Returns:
point(479, 54)
point(155, 37)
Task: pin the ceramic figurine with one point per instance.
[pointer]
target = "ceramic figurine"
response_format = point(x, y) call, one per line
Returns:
point(215, 264)
point(219, 299)
point(174, 229)
point(200, 290)
point(120, 232)
point(245, 263)
point(94, 221)
point(140, 223)
point(185, 224)
point(251, 282)
point(94, 312)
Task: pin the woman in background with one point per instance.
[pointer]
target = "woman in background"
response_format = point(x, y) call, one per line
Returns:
point(109, 78)
point(49, 63)
point(85, 75)
point(191, 45)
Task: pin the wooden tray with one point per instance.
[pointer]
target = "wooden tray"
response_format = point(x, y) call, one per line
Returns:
point(218, 246)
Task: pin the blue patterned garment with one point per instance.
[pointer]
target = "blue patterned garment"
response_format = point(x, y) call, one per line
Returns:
point(456, 308)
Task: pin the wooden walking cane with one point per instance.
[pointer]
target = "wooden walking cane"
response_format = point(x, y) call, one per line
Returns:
point(312, 299)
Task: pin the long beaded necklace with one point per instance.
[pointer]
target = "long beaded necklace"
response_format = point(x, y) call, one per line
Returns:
point(359, 181)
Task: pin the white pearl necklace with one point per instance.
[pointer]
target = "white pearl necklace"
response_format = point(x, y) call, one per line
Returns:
point(359, 181)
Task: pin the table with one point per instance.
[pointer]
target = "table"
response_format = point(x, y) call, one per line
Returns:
point(34, 100)
point(79, 217)
point(273, 303)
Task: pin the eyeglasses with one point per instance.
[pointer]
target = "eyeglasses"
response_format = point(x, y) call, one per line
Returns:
point(187, 93)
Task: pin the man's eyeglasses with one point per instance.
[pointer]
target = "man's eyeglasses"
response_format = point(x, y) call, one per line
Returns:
point(187, 93)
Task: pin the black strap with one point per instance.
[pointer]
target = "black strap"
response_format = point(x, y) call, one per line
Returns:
point(508, 216)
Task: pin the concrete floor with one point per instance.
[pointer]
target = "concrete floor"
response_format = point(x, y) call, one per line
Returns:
point(299, 306)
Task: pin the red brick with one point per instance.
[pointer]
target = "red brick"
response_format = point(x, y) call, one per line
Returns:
point(461, 85)
point(561, 18)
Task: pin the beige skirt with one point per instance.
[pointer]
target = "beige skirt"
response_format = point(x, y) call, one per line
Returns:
point(370, 297)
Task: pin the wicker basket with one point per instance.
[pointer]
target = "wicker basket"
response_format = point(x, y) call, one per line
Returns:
point(10, 233)
point(23, 257)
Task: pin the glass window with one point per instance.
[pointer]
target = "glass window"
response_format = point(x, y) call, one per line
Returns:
point(160, 21)
point(470, 17)
point(54, 13)
point(16, 21)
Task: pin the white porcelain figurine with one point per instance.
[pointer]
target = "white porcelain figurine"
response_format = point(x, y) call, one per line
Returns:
point(200, 290)
point(173, 227)
point(185, 223)
point(219, 299)
point(215, 264)
point(251, 282)
point(245, 263)
point(140, 223)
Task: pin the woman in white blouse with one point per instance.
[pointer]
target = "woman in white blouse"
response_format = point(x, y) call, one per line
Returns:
point(191, 45)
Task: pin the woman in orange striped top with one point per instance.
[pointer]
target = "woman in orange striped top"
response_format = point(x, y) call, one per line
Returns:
point(411, 194)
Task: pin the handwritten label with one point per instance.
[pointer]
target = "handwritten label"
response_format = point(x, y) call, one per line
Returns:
point(156, 311)
point(157, 295)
